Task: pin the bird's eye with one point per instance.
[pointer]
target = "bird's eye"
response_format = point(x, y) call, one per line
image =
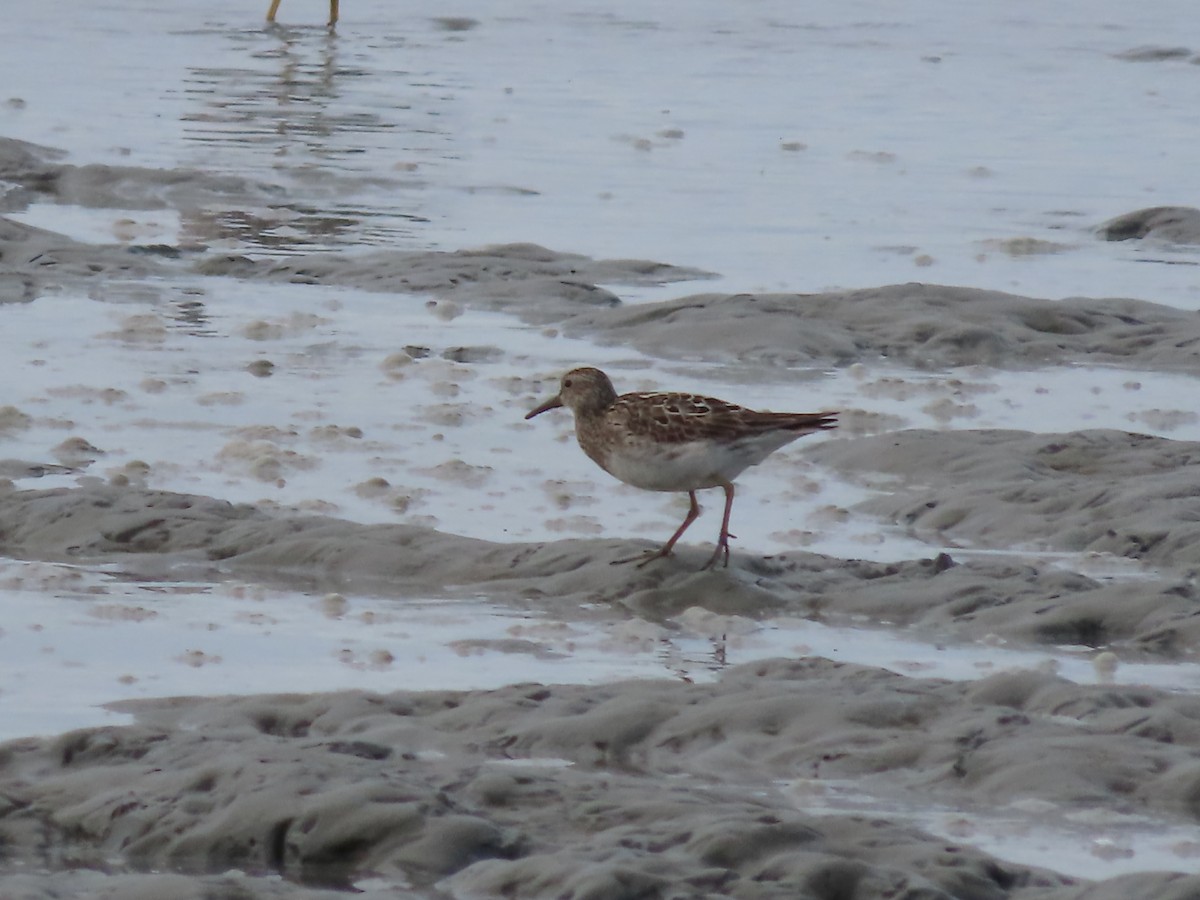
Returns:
point(567, 383)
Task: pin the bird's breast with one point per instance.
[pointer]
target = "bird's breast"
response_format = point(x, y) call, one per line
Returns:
point(668, 467)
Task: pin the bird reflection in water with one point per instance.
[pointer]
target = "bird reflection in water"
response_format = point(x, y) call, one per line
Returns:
point(280, 111)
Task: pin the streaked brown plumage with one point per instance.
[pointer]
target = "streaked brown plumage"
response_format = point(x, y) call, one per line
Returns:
point(675, 441)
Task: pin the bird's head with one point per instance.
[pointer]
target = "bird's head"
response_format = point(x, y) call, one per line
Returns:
point(583, 391)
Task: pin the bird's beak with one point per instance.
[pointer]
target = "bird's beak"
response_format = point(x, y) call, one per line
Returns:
point(553, 403)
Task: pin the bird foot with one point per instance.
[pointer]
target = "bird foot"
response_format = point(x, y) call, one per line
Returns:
point(721, 549)
point(644, 558)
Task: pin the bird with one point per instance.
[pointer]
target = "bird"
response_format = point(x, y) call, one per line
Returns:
point(669, 441)
point(333, 11)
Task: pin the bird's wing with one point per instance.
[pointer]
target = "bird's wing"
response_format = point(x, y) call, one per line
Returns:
point(677, 418)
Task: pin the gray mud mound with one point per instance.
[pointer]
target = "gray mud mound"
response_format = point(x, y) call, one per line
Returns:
point(1152, 53)
point(663, 789)
point(1132, 495)
point(156, 532)
point(541, 284)
point(1173, 224)
point(39, 174)
point(35, 260)
point(922, 325)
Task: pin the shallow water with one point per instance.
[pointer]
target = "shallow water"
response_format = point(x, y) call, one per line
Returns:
point(1087, 844)
point(779, 146)
point(88, 637)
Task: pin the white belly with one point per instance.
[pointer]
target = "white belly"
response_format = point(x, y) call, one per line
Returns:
point(683, 467)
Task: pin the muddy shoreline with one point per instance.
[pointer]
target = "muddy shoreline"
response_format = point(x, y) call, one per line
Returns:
point(638, 788)
point(660, 788)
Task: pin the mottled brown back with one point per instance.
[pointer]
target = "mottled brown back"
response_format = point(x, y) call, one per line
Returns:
point(678, 418)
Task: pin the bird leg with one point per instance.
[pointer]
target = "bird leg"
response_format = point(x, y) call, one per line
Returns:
point(333, 11)
point(692, 513)
point(723, 538)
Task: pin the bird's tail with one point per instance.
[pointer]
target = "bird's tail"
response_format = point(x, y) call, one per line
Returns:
point(805, 422)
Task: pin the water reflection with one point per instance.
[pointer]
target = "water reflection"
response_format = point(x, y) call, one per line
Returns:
point(280, 107)
point(306, 109)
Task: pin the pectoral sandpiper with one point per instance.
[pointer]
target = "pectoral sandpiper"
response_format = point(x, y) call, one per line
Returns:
point(675, 442)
